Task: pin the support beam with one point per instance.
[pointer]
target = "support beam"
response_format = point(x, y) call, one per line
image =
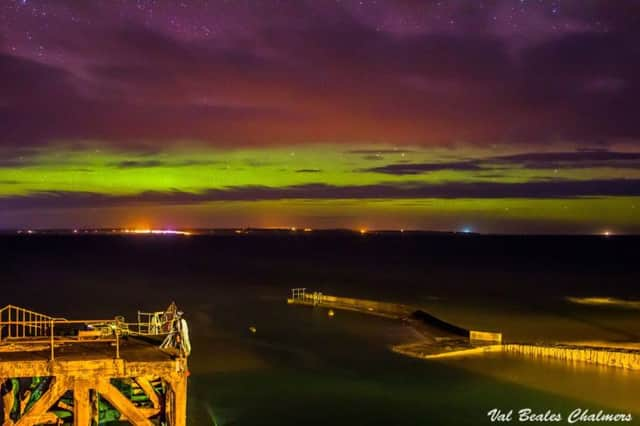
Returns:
point(122, 404)
point(95, 407)
point(38, 412)
point(81, 403)
point(7, 401)
point(24, 401)
point(145, 385)
point(169, 397)
point(178, 384)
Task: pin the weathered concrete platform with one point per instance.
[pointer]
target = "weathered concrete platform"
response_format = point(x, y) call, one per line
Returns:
point(135, 356)
point(86, 369)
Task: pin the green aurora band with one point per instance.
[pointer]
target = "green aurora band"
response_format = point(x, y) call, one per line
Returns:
point(57, 170)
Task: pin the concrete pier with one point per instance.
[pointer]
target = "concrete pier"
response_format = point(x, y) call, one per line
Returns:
point(370, 307)
point(424, 322)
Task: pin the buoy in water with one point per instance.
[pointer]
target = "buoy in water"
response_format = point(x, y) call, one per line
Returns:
point(252, 329)
point(331, 313)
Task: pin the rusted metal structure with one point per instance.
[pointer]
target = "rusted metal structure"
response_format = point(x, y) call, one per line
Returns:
point(92, 372)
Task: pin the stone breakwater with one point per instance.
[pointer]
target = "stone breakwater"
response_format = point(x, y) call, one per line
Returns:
point(443, 349)
point(371, 307)
point(606, 356)
point(413, 314)
point(609, 356)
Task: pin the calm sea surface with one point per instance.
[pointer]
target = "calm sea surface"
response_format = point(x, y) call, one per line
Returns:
point(302, 367)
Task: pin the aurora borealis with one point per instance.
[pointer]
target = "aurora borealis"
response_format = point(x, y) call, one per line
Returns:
point(495, 116)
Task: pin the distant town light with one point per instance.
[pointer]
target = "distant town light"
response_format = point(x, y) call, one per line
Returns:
point(159, 232)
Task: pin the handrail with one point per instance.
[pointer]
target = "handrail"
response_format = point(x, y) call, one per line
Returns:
point(29, 311)
point(152, 323)
point(27, 327)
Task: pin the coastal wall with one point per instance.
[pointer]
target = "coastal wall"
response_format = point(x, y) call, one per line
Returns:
point(612, 357)
point(429, 351)
point(393, 309)
point(373, 307)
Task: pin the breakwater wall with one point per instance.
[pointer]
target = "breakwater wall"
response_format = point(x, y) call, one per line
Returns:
point(612, 357)
point(428, 319)
point(372, 307)
point(427, 351)
point(390, 310)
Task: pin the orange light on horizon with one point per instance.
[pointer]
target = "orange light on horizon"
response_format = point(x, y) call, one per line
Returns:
point(157, 232)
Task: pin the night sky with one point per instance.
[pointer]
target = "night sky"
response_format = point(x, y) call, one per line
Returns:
point(493, 116)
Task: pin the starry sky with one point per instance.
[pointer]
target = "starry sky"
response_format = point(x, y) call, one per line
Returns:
point(493, 116)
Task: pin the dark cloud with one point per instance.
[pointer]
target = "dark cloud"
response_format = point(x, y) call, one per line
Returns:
point(581, 159)
point(138, 164)
point(379, 151)
point(131, 164)
point(562, 189)
point(417, 168)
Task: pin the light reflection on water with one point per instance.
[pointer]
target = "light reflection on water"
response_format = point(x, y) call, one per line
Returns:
point(601, 385)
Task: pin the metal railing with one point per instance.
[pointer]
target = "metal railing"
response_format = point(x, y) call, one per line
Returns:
point(20, 322)
point(298, 293)
point(153, 323)
point(23, 327)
